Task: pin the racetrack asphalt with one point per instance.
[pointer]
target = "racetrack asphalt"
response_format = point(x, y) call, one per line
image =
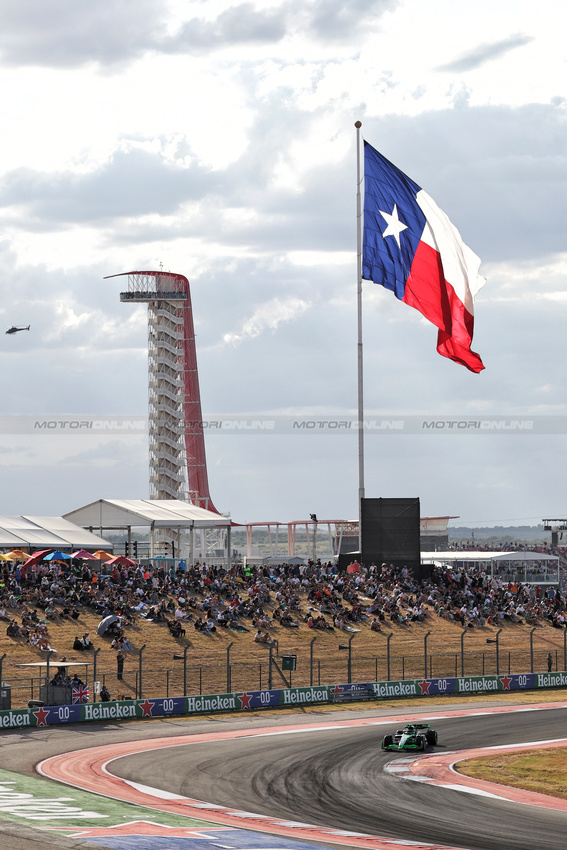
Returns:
point(333, 777)
point(336, 778)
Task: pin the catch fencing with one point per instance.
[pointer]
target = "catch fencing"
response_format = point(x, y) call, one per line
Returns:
point(180, 675)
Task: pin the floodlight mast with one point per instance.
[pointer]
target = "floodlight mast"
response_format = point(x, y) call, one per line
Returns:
point(178, 465)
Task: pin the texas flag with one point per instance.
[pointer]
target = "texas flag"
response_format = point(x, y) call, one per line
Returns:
point(411, 247)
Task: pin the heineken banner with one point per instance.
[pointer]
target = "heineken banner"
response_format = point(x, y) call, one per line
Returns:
point(53, 715)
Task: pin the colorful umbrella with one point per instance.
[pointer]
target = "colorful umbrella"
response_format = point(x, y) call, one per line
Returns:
point(121, 561)
point(101, 555)
point(17, 555)
point(58, 556)
point(36, 557)
point(83, 555)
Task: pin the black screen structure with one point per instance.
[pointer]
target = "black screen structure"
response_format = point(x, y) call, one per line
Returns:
point(390, 532)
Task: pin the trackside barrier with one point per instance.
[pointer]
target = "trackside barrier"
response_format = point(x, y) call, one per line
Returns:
point(56, 715)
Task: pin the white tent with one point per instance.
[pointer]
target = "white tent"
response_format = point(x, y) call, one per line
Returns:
point(149, 513)
point(153, 513)
point(46, 532)
point(526, 567)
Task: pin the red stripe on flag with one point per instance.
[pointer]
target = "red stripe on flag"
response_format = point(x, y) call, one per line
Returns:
point(427, 291)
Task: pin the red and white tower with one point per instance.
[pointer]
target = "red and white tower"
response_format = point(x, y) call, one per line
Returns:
point(178, 465)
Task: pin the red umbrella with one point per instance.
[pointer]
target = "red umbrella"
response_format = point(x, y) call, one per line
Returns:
point(121, 561)
point(36, 557)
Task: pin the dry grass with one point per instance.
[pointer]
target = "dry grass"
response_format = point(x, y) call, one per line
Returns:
point(543, 771)
point(207, 655)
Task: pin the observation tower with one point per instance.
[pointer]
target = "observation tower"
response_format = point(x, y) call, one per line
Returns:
point(178, 465)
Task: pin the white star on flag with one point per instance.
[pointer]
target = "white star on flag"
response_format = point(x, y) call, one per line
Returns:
point(395, 226)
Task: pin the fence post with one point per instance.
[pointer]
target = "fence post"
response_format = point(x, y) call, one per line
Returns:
point(1, 663)
point(47, 679)
point(564, 649)
point(388, 639)
point(311, 661)
point(425, 652)
point(185, 670)
point(532, 648)
point(271, 649)
point(95, 660)
point(463, 633)
point(140, 669)
point(228, 670)
point(498, 652)
point(350, 659)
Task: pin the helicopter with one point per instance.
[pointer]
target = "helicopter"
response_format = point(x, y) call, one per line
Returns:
point(14, 329)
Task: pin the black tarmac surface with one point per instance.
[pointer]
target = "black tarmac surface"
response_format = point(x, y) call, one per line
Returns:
point(336, 778)
point(330, 777)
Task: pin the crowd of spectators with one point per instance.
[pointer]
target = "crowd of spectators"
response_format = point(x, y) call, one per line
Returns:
point(472, 598)
point(262, 600)
point(511, 546)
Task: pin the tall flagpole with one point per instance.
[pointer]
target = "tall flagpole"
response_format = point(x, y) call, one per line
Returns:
point(358, 125)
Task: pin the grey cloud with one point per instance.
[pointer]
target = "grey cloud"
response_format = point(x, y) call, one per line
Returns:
point(326, 20)
point(498, 175)
point(67, 33)
point(241, 24)
point(332, 20)
point(119, 467)
point(486, 53)
point(77, 372)
point(131, 184)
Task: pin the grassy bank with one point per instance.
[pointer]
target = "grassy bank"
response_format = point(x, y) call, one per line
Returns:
point(542, 771)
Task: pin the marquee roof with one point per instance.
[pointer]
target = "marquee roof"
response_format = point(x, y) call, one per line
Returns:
point(469, 556)
point(159, 513)
point(53, 532)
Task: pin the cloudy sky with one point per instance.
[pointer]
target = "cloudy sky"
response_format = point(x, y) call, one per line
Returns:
point(217, 139)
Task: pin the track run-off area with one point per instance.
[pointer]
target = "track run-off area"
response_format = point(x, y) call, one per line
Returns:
point(282, 782)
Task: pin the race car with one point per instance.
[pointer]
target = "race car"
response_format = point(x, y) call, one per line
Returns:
point(414, 736)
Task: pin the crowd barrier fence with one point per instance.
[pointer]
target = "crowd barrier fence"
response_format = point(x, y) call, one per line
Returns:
point(181, 674)
point(138, 709)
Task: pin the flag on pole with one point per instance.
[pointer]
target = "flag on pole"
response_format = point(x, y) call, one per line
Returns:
point(411, 247)
point(79, 694)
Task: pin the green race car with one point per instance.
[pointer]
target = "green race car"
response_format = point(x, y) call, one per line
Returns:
point(414, 736)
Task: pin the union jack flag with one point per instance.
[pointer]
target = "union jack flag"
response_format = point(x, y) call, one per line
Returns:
point(80, 694)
